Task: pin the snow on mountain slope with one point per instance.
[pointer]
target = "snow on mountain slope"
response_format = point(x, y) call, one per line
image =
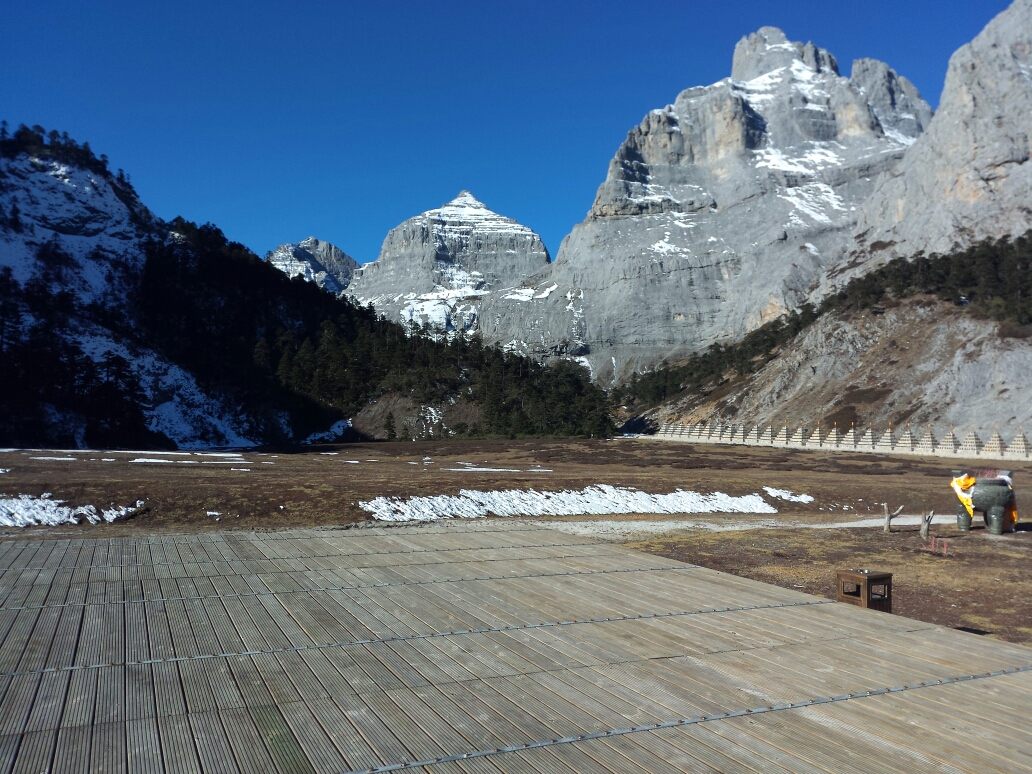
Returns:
point(320, 262)
point(175, 404)
point(96, 222)
point(84, 232)
point(452, 268)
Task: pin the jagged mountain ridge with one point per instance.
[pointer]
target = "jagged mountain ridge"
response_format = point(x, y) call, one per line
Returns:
point(722, 211)
point(967, 178)
point(320, 262)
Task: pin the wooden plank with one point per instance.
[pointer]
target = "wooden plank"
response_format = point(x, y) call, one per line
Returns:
point(17, 703)
point(177, 745)
point(213, 747)
point(72, 752)
point(144, 746)
point(284, 748)
point(108, 751)
point(318, 748)
point(246, 741)
point(49, 702)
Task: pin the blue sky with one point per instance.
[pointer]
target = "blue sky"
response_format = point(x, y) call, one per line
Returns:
point(277, 121)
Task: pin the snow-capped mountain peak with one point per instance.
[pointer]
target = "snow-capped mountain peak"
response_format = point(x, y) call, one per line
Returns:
point(320, 262)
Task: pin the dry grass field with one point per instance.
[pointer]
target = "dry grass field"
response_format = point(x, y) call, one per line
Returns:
point(982, 583)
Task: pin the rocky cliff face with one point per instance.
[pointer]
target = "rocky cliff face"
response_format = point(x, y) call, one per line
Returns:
point(719, 212)
point(723, 210)
point(320, 262)
point(452, 268)
point(968, 177)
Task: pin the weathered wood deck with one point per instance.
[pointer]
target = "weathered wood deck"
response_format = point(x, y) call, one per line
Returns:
point(331, 651)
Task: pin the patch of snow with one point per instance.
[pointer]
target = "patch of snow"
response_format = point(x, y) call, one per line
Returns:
point(520, 294)
point(787, 495)
point(56, 459)
point(336, 430)
point(596, 500)
point(813, 200)
point(486, 470)
point(814, 160)
point(546, 292)
point(30, 511)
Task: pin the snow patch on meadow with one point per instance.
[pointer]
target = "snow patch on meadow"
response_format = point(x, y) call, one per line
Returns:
point(602, 500)
point(787, 495)
point(31, 511)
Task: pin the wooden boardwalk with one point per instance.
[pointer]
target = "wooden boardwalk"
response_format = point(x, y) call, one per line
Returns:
point(472, 647)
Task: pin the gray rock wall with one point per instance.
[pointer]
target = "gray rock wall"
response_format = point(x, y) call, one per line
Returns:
point(452, 268)
point(724, 209)
point(967, 178)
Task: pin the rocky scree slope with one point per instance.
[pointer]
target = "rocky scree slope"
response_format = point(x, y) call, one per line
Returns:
point(316, 261)
point(918, 360)
point(968, 177)
point(72, 243)
point(455, 268)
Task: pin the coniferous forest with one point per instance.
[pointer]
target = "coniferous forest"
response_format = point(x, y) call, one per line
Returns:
point(242, 326)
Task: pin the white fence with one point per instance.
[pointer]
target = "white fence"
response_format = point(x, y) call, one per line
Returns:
point(927, 444)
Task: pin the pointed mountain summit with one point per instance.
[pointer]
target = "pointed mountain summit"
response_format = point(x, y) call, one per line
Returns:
point(438, 267)
point(320, 262)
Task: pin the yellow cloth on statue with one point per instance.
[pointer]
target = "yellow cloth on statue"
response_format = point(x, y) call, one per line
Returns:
point(963, 485)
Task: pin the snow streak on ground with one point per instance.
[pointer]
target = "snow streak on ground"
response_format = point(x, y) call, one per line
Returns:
point(599, 500)
point(784, 494)
point(29, 511)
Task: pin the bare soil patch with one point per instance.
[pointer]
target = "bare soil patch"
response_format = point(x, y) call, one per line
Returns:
point(324, 485)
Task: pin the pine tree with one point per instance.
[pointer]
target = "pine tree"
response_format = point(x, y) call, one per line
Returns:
point(14, 219)
point(388, 426)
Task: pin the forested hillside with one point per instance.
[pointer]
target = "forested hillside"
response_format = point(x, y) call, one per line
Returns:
point(992, 279)
point(107, 314)
point(271, 342)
